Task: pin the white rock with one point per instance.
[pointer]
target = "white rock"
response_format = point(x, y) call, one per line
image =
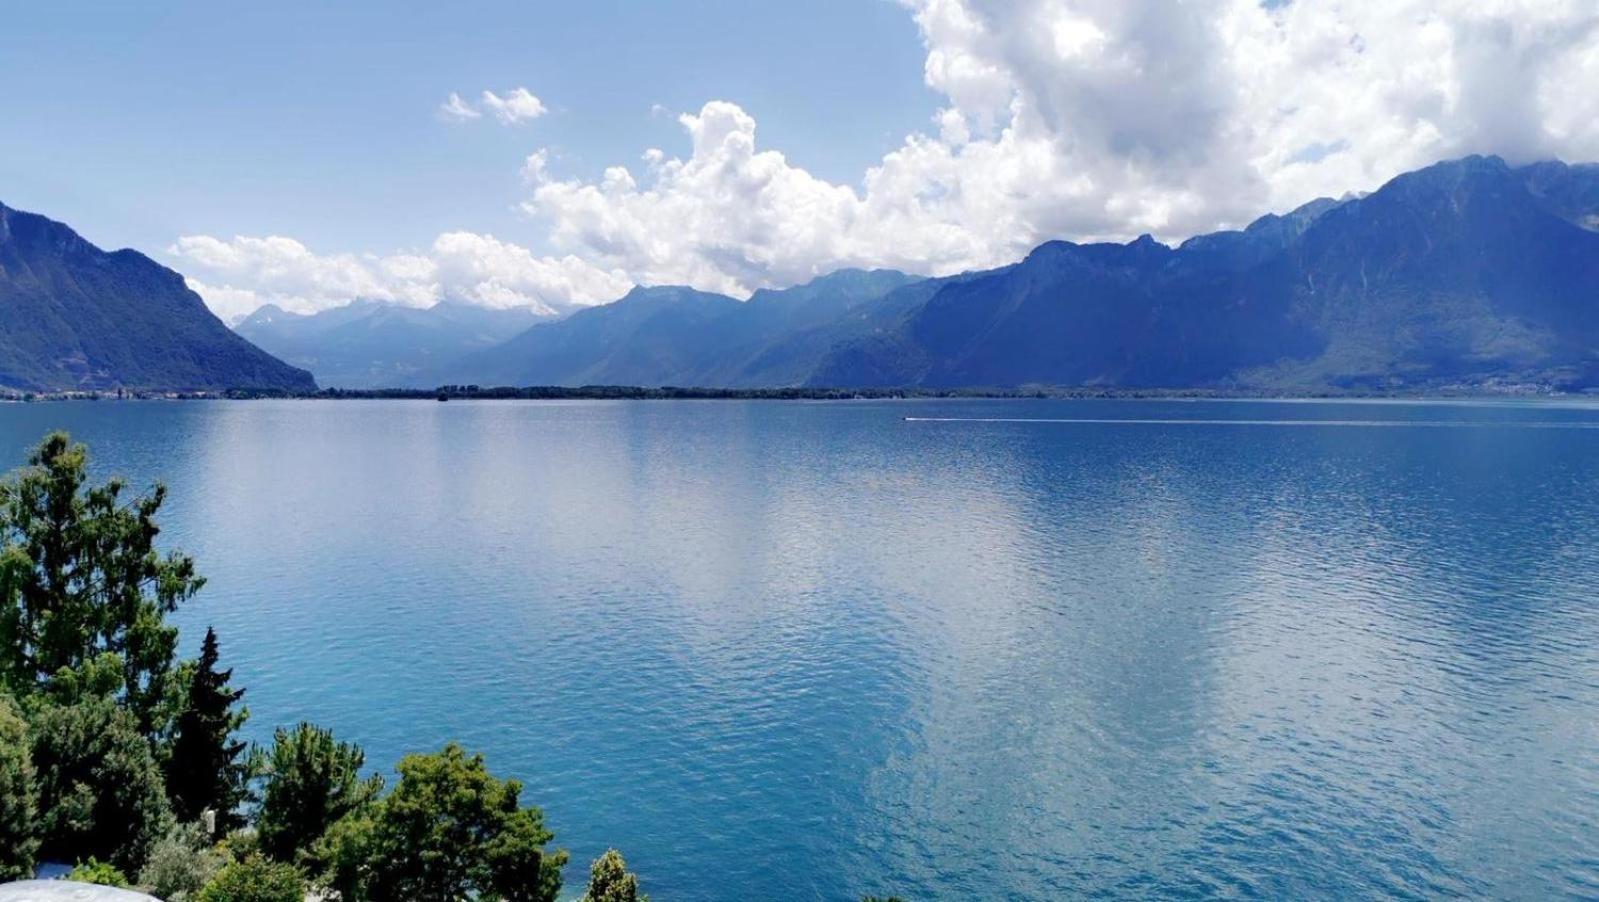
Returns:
point(67, 891)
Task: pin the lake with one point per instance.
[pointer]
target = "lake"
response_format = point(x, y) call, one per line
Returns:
point(1001, 650)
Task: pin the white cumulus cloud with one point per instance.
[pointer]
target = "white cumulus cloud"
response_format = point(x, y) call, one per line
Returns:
point(239, 275)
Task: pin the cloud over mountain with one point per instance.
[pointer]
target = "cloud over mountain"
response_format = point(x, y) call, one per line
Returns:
point(1104, 119)
point(1081, 119)
point(237, 276)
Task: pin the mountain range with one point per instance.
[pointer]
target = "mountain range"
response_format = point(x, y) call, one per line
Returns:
point(76, 318)
point(1467, 274)
point(678, 336)
point(376, 344)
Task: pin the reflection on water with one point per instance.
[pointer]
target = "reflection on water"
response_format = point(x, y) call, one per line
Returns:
point(790, 650)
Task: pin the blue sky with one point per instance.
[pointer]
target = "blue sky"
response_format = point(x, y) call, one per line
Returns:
point(140, 122)
point(296, 152)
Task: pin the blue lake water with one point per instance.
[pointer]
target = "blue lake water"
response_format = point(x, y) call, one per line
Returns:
point(814, 650)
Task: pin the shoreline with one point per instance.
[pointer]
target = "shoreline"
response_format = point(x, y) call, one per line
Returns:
point(1515, 391)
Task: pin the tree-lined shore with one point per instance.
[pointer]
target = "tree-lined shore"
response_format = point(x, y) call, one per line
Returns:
point(1442, 390)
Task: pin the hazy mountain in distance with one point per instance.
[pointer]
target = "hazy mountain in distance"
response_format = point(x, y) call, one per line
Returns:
point(650, 335)
point(75, 317)
point(678, 336)
point(375, 344)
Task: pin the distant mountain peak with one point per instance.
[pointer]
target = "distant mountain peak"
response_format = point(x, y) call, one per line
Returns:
point(382, 344)
point(1454, 175)
point(667, 293)
point(267, 313)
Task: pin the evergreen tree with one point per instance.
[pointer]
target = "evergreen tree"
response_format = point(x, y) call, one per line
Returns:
point(81, 580)
point(100, 789)
point(205, 770)
point(311, 782)
point(610, 881)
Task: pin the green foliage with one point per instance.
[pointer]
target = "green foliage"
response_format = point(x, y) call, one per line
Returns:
point(100, 791)
point(449, 830)
point(205, 771)
point(181, 863)
point(346, 855)
point(19, 840)
point(100, 677)
point(255, 879)
point(98, 872)
point(80, 579)
point(311, 781)
point(610, 881)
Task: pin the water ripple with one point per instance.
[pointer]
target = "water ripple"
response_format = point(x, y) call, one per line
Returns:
point(810, 651)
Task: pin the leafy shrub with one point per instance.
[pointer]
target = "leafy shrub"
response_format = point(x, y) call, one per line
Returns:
point(255, 879)
point(181, 863)
point(98, 872)
point(449, 830)
point(19, 840)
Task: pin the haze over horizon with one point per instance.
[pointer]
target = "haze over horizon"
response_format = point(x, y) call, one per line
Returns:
point(551, 157)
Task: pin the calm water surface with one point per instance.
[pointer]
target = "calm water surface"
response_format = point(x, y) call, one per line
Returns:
point(808, 651)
